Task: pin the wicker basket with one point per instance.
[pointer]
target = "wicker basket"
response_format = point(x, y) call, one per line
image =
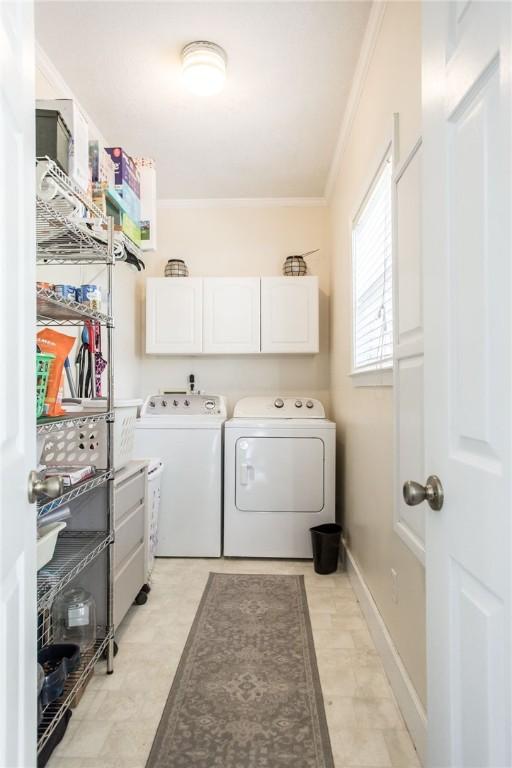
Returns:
point(176, 268)
point(295, 266)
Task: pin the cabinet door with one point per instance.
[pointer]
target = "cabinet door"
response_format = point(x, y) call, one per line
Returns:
point(231, 319)
point(289, 314)
point(174, 310)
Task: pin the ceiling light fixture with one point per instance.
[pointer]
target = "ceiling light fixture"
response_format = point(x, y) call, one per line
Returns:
point(204, 67)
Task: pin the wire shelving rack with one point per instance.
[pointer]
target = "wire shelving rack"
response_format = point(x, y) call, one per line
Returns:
point(71, 230)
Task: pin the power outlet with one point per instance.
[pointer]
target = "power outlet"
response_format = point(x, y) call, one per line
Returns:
point(394, 587)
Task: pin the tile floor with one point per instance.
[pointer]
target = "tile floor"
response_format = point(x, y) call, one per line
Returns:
point(114, 725)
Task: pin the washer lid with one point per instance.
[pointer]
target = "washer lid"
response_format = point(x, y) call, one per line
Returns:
point(278, 407)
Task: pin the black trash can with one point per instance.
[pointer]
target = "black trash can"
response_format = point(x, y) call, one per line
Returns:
point(326, 547)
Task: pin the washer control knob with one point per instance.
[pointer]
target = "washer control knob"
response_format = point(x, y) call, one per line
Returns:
point(298, 403)
point(152, 403)
point(175, 403)
point(310, 404)
point(209, 405)
point(164, 403)
point(186, 402)
point(278, 403)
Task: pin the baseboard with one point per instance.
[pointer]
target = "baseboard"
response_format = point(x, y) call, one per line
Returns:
point(406, 696)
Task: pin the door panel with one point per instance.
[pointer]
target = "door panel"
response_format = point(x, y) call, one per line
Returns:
point(231, 315)
point(289, 314)
point(467, 245)
point(409, 522)
point(280, 474)
point(480, 688)
point(410, 454)
point(174, 312)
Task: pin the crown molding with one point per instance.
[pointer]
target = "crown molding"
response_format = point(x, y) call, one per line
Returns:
point(243, 202)
point(50, 72)
point(363, 64)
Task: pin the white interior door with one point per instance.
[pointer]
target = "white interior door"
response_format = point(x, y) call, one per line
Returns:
point(467, 296)
point(409, 522)
point(17, 389)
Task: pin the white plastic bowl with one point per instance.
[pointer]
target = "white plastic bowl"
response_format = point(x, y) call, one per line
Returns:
point(46, 542)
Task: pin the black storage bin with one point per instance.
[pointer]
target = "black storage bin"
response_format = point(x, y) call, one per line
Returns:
point(52, 137)
point(63, 659)
point(326, 547)
point(54, 740)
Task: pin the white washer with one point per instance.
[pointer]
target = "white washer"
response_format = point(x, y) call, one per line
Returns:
point(186, 432)
point(279, 476)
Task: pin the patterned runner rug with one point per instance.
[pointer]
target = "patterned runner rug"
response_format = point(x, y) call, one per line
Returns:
point(247, 692)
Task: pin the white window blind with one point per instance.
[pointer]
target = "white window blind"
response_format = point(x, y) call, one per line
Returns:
point(372, 277)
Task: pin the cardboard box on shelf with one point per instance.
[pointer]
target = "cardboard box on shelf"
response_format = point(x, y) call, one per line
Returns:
point(131, 229)
point(126, 170)
point(102, 166)
point(147, 173)
point(130, 200)
point(112, 204)
point(79, 145)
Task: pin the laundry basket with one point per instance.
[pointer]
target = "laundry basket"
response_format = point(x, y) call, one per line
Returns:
point(87, 443)
point(43, 364)
point(154, 482)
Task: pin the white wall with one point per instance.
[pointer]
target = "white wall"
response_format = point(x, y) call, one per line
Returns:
point(214, 240)
point(248, 240)
point(365, 415)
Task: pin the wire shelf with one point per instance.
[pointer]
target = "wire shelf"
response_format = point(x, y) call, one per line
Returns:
point(75, 550)
point(52, 309)
point(48, 424)
point(53, 713)
point(47, 505)
point(47, 168)
point(60, 240)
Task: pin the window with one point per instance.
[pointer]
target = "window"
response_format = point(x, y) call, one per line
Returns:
point(372, 277)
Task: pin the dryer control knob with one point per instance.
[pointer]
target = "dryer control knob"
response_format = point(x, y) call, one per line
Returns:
point(186, 402)
point(298, 403)
point(152, 403)
point(175, 403)
point(209, 405)
point(309, 404)
point(278, 403)
point(164, 403)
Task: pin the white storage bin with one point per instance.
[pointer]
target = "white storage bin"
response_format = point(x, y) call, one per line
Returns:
point(87, 444)
point(47, 542)
point(154, 481)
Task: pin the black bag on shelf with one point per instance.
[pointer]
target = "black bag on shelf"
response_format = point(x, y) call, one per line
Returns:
point(54, 739)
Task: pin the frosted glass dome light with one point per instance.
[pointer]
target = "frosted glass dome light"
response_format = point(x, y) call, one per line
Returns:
point(204, 67)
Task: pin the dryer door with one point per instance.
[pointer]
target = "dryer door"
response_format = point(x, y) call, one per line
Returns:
point(280, 474)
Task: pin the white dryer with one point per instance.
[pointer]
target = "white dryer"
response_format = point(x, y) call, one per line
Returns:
point(186, 432)
point(279, 476)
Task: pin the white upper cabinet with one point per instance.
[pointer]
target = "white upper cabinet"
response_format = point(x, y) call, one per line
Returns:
point(174, 313)
point(289, 314)
point(231, 315)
